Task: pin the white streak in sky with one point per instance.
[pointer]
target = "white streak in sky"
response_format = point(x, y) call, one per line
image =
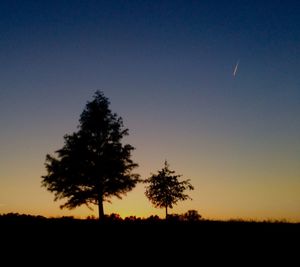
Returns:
point(236, 68)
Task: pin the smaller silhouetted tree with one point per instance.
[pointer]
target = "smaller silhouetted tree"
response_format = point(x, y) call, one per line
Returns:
point(164, 190)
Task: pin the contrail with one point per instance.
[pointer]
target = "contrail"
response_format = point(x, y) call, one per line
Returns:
point(236, 68)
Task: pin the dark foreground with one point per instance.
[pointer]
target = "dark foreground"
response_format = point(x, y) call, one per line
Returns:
point(144, 243)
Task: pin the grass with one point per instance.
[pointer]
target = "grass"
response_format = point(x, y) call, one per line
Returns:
point(151, 240)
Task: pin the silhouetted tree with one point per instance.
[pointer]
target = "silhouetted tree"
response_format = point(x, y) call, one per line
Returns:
point(164, 189)
point(93, 165)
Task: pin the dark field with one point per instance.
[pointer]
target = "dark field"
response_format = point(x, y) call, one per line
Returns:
point(142, 242)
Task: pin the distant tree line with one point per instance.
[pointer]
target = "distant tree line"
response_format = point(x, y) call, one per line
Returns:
point(189, 216)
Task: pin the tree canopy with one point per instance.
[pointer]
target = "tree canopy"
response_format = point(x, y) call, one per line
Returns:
point(93, 165)
point(164, 189)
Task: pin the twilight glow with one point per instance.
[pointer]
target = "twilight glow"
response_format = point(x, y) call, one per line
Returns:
point(166, 68)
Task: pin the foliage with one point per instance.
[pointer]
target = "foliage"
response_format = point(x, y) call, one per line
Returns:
point(93, 165)
point(191, 216)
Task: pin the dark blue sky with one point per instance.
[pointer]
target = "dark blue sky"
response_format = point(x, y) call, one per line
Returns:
point(167, 68)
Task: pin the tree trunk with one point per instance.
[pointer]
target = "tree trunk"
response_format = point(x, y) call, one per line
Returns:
point(100, 209)
point(166, 211)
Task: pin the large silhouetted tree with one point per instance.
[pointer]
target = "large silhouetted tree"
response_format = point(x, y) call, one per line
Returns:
point(93, 165)
point(164, 190)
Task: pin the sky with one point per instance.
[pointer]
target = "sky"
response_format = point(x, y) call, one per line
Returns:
point(167, 68)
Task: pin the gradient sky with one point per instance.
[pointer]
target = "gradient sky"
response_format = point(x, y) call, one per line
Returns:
point(167, 68)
